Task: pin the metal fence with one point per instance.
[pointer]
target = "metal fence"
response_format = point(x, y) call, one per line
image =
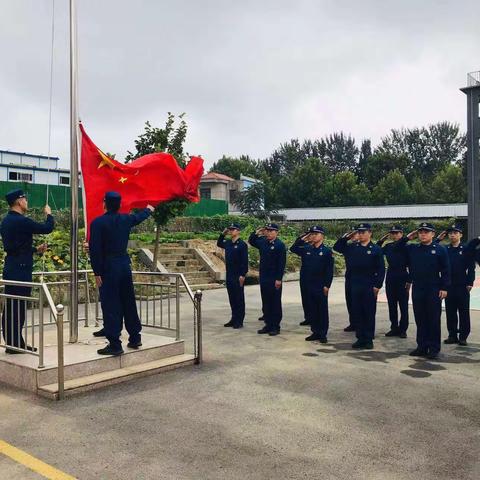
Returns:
point(158, 297)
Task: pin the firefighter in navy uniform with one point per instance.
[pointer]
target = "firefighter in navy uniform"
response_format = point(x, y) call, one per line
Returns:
point(236, 264)
point(367, 269)
point(272, 268)
point(317, 266)
point(17, 232)
point(397, 286)
point(457, 303)
point(108, 242)
point(429, 270)
point(348, 289)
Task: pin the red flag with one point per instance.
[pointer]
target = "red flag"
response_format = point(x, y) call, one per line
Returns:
point(150, 179)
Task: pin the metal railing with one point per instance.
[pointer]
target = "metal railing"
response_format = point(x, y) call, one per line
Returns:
point(22, 328)
point(473, 79)
point(158, 298)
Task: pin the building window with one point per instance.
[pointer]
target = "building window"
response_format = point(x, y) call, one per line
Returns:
point(64, 180)
point(20, 177)
point(206, 193)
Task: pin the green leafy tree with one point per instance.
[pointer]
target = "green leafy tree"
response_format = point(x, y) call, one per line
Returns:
point(380, 164)
point(449, 186)
point(234, 167)
point(420, 191)
point(364, 159)
point(340, 153)
point(347, 192)
point(393, 189)
point(169, 139)
point(251, 201)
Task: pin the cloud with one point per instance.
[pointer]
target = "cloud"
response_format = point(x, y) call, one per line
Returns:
point(249, 74)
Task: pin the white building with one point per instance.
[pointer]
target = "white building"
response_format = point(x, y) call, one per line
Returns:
point(37, 169)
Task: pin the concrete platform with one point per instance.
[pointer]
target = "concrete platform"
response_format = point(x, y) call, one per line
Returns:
point(84, 368)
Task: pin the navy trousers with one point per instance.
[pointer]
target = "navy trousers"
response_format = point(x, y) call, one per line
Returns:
point(348, 301)
point(118, 302)
point(236, 297)
point(364, 309)
point(397, 296)
point(427, 308)
point(457, 307)
point(272, 303)
point(304, 294)
point(15, 311)
point(318, 312)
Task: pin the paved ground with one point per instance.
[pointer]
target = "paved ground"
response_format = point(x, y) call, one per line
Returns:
point(268, 408)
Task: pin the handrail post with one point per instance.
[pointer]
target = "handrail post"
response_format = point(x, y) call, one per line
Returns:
point(40, 328)
point(60, 360)
point(198, 306)
point(177, 307)
point(87, 300)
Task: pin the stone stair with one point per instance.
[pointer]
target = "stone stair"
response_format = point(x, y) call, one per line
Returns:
point(179, 259)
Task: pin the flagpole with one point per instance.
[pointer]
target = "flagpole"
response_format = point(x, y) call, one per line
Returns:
point(73, 307)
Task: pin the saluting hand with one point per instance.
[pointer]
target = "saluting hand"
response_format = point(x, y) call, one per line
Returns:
point(442, 235)
point(412, 235)
point(151, 207)
point(384, 237)
point(225, 231)
point(47, 210)
point(349, 235)
point(442, 294)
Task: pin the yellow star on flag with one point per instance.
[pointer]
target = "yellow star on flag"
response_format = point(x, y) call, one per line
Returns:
point(123, 179)
point(105, 161)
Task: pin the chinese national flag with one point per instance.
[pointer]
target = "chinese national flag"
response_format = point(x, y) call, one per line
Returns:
point(150, 179)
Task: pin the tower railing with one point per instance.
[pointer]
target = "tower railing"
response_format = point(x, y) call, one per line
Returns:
point(473, 79)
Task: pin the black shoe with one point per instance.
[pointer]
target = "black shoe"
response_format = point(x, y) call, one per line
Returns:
point(358, 344)
point(462, 342)
point(136, 345)
point(261, 319)
point(108, 350)
point(418, 353)
point(274, 333)
point(392, 333)
point(263, 331)
point(368, 345)
point(228, 324)
point(402, 335)
point(305, 322)
point(11, 351)
point(312, 337)
point(99, 333)
point(236, 327)
point(432, 355)
point(450, 340)
point(350, 328)
point(323, 340)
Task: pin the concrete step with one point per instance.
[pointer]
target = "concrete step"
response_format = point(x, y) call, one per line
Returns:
point(163, 257)
point(174, 251)
point(104, 379)
point(198, 277)
point(171, 265)
point(206, 286)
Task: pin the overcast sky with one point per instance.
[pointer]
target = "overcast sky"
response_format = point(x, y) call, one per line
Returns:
point(249, 74)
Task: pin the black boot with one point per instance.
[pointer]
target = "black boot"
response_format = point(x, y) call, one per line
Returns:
point(109, 350)
point(99, 333)
point(418, 352)
point(350, 328)
point(450, 340)
point(228, 324)
point(305, 322)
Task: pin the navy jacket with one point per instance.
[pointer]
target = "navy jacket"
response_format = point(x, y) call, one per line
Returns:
point(428, 264)
point(462, 262)
point(365, 263)
point(317, 263)
point(17, 235)
point(273, 257)
point(397, 259)
point(236, 256)
point(109, 235)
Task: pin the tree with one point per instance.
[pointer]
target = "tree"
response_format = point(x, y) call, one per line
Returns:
point(251, 201)
point(380, 164)
point(393, 189)
point(309, 185)
point(234, 167)
point(347, 192)
point(168, 139)
point(363, 159)
point(340, 153)
point(449, 186)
